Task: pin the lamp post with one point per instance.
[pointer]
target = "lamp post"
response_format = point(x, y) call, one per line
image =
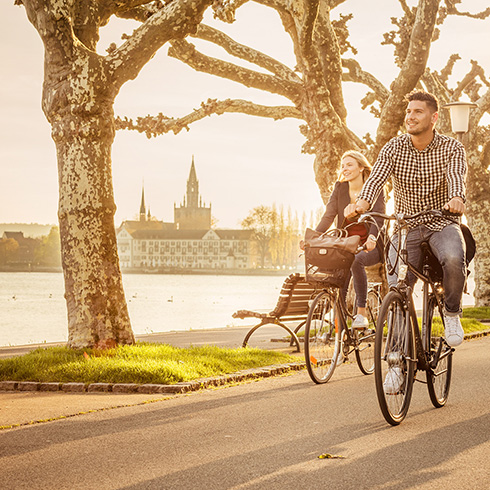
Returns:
point(459, 112)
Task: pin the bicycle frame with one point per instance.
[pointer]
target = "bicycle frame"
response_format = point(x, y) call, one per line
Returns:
point(342, 317)
point(429, 290)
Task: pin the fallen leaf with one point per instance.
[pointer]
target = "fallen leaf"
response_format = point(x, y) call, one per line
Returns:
point(330, 456)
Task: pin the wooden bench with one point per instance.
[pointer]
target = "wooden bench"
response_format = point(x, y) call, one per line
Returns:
point(292, 306)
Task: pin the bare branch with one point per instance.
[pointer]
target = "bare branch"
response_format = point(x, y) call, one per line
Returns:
point(452, 10)
point(448, 69)
point(174, 21)
point(224, 10)
point(306, 39)
point(409, 14)
point(329, 57)
point(245, 53)
point(156, 125)
point(140, 11)
point(122, 5)
point(187, 52)
point(358, 75)
point(476, 71)
point(412, 69)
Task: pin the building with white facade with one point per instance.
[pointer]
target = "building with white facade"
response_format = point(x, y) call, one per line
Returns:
point(188, 243)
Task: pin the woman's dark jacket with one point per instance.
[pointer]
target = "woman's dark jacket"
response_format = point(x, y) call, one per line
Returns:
point(339, 200)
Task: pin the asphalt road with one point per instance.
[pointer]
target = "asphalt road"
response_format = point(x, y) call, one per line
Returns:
point(267, 435)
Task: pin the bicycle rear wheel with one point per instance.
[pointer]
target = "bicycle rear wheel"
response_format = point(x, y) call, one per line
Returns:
point(393, 361)
point(440, 362)
point(366, 338)
point(322, 337)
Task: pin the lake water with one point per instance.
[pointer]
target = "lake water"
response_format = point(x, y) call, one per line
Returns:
point(33, 310)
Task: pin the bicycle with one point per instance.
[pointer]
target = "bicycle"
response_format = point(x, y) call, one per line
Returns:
point(328, 337)
point(402, 348)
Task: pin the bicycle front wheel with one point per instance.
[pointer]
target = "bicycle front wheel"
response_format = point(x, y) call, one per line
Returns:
point(365, 338)
point(394, 359)
point(440, 362)
point(322, 338)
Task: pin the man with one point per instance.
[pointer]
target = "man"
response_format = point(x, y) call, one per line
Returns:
point(428, 171)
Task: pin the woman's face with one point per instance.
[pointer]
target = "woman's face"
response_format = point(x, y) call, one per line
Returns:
point(350, 169)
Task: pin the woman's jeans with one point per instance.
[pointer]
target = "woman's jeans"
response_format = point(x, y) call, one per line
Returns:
point(449, 247)
point(358, 273)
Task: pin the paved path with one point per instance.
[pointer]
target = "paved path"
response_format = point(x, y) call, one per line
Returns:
point(261, 435)
point(222, 337)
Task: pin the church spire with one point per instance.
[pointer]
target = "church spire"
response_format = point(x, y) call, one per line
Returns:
point(192, 187)
point(142, 206)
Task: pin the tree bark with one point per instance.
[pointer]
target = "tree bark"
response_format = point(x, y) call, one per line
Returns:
point(478, 211)
point(97, 310)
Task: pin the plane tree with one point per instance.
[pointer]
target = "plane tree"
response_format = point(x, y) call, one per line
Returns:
point(325, 60)
point(79, 89)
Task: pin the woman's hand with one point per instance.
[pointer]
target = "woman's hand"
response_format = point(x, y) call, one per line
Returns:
point(350, 211)
point(355, 209)
point(370, 243)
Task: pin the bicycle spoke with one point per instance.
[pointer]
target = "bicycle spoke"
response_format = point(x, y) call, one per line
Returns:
point(322, 338)
point(366, 337)
point(441, 357)
point(393, 369)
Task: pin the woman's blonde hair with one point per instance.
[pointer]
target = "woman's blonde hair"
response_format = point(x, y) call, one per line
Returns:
point(361, 160)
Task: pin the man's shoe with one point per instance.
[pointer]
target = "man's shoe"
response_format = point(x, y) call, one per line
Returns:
point(360, 322)
point(454, 330)
point(393, 381)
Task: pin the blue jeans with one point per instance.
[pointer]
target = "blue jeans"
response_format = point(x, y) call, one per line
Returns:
point(449, 247)
point(358, 273)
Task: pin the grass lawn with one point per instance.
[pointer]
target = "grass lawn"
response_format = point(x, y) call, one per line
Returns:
point(139, 363)
point(160, 363)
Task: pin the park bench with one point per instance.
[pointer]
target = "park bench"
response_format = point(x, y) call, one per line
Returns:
point(292, 306)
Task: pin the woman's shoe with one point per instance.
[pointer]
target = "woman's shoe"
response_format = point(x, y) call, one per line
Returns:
point(360, 322)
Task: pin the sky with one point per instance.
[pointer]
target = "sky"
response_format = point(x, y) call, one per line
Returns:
point(241, 161)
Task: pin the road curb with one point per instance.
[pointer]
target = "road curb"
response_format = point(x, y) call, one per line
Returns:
point(174, 389)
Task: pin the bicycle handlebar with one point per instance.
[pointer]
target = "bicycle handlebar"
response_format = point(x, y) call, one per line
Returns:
point(400, 217)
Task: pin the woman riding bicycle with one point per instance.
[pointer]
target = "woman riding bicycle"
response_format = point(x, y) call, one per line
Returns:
point(355, 170)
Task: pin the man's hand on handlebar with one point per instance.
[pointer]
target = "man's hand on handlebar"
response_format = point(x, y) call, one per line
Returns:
point(455, 205)
point(355, 209)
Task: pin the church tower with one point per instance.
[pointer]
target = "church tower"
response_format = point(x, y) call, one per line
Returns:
point(192, 214)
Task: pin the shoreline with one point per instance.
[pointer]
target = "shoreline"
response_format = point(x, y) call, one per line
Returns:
point(200, 272)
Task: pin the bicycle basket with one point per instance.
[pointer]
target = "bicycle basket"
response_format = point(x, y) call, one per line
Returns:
point(329, 256)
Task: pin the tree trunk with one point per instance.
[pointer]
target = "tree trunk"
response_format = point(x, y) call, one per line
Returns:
point(97, 310)
point(478, 211)
point(78, 102)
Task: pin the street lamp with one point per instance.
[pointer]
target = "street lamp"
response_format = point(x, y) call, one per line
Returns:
point(459, 113)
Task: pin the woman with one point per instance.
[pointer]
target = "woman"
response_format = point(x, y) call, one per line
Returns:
point(354, 170)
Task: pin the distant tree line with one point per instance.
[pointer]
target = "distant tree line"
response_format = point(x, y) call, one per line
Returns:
point(16, 250)
point(276, 235)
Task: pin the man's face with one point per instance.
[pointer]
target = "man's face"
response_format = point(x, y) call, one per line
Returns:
point(419, 118)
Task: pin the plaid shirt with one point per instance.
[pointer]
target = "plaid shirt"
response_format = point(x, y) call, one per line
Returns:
point(422, 180)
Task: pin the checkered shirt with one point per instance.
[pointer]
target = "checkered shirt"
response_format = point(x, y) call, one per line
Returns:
point(422, 180)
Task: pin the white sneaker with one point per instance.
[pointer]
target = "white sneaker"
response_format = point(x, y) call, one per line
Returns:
point(393, 381)
point(454, 330)
point(360, 322)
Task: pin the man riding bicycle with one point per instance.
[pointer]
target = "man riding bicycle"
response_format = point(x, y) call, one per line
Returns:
point(428, 171)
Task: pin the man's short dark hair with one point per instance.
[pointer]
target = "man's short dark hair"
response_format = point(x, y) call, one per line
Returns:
point(428, 98)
